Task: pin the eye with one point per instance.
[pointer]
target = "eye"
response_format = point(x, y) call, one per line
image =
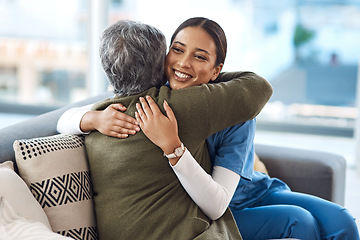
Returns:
point(200, 57)
point(176, 49)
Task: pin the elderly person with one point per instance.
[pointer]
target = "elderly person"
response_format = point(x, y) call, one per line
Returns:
point(137, 195)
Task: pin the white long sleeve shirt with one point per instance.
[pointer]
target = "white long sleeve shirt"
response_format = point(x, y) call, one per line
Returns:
point(69, 121)
point(212, 193)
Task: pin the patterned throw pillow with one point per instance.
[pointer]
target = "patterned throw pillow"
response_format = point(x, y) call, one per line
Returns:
point(56, 170)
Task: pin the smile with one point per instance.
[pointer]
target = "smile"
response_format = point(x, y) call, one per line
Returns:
point(182, 76)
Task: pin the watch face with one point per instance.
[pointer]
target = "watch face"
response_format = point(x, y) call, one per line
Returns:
point(178, 151)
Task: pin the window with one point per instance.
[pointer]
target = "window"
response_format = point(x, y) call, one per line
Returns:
point(308, 50)
point(43, 48)
point(316, 92)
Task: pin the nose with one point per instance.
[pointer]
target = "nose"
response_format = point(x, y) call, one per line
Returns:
point(184, 61)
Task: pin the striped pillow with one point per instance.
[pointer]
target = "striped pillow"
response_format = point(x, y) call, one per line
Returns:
point(13, 226)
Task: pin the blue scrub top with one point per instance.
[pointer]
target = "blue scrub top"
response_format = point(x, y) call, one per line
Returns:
point(233, 148)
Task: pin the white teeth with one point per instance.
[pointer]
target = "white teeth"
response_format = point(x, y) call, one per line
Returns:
point(182, 75)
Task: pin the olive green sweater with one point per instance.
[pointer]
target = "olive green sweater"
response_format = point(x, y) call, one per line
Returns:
point(137, 195)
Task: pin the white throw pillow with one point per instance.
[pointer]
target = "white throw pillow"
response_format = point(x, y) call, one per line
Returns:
point(18, 194)
point(15, 227)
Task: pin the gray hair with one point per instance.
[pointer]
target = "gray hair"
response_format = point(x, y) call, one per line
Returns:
point(132, 55)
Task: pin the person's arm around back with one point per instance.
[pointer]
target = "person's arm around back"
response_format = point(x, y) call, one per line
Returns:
point(253, 92)
point(110, 122)
point(69, 121)
point(213, 107)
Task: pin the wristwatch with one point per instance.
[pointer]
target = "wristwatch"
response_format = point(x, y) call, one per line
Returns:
point(177, 152)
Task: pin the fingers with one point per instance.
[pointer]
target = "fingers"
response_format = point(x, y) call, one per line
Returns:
point(118, 135)
point(140, 113)
point(145, 110)
point(126, 122)
point(124, 118)
point(137, 116)
point(129, 128)
point(116, 131)
point(148, 108)
point(153, 106)
point(118, 106)
point(145, 107)
point(125, 129)
point(140, 121)
point(169, 112)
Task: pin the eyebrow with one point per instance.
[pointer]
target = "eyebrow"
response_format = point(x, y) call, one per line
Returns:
point(197, 49)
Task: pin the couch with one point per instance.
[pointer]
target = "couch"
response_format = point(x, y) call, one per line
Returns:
point(318, 173)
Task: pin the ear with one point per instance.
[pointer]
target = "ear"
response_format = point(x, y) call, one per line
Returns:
point(216, 71)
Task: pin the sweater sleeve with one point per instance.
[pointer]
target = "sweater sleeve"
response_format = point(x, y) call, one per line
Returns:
point(202, 187)
point(245, 92)
point(69, 121)
point(213, 107)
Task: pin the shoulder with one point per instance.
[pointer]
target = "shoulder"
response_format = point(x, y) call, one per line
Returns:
point(238, 129)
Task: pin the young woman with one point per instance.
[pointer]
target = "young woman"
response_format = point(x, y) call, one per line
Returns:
point(263, 207)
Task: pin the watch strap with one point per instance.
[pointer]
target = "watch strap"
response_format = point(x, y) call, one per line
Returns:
point(174, 155)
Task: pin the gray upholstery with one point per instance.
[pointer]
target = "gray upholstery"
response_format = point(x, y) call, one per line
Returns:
point(318, 173)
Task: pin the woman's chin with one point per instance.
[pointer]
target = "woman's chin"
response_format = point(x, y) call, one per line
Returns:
point(177, 85)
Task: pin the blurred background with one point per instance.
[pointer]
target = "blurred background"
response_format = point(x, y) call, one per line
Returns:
point(309, 50)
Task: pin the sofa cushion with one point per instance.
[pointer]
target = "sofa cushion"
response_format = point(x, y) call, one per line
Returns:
point(56, 170)
point(13, 226)
point(259, 165)
point(15, 190)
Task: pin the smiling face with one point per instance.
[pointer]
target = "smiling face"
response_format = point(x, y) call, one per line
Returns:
point(191, 59)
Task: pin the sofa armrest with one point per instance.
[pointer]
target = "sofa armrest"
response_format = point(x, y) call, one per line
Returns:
point(317, 173)
point(40, 126)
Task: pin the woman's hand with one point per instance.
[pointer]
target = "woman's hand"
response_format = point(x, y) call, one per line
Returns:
point(160, 129)
point(111, 122)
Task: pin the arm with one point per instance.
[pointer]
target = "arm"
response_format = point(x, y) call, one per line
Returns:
point(69, 121)
point(228, 76)
point(219, 187)
point(201, 187)
point(111, 121)
point(240, 99)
